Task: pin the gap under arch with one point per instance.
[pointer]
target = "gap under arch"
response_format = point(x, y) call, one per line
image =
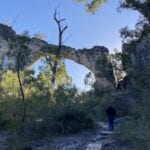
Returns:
point(77, 72)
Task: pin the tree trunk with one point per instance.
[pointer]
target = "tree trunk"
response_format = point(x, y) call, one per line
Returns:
point(21, 91)
point(61, 31)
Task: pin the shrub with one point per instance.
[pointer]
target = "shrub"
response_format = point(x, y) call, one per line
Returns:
point(136, 130)
point(72, 121)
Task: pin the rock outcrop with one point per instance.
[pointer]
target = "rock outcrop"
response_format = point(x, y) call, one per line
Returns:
point(36, 49)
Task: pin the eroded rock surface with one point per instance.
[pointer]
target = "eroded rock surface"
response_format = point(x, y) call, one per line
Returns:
point(34, 49)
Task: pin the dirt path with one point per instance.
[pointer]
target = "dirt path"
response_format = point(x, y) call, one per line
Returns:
point(102, 137)
point(82, 141)
point(91, 140)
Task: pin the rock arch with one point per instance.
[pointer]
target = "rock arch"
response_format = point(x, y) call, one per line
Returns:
point(86, 57)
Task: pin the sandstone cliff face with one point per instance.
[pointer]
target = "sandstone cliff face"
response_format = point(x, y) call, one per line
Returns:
point(36, 49)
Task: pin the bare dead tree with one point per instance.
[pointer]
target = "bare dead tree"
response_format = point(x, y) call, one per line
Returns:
point(61, 30)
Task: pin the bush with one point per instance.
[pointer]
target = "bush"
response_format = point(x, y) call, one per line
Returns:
point(18, 143)
point(72, 121)
point(136, 131)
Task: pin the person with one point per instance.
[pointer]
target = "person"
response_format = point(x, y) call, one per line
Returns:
point(111, 113)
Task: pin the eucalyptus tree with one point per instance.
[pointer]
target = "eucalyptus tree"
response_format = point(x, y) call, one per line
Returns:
point(45, 75)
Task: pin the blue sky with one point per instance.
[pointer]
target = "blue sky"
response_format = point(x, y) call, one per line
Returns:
point(86, 30)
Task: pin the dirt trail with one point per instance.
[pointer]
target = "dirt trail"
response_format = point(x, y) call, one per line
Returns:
point(89, 140)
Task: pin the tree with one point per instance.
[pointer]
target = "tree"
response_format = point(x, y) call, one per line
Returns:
point(104, 69)
point(89, 80)
point(9, 84)
point(46, 74)
point(143, 6)
point(57, 57)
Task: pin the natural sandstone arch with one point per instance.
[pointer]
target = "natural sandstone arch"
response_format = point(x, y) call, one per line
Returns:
point(86, 57)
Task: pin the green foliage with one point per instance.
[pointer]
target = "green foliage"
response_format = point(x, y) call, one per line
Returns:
point(89, 80)
point(136, 131)
point(128, 129)
point(9, 84)
point(18, 143)
point(45, 74)
point(103, 91)
point(143, 6)
point(70, 115)
point(104, 68)
point(141, 82)
point(97, 100)
point(11, 113)
point(127, 64)
point(46, 112)
point(72, 121)
point(92, 5)
point(64, 95)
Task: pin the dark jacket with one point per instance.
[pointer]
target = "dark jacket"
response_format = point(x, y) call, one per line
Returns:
point(111, 111)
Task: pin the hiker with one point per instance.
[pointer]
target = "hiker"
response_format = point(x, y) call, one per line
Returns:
point(111, 116)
